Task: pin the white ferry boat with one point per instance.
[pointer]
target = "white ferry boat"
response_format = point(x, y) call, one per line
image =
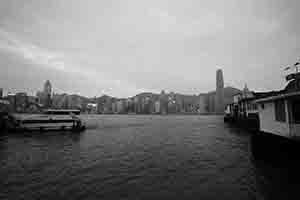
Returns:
point(50, 119)
point(279, 114)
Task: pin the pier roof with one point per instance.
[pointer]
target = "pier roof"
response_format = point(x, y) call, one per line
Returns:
point(280, 96)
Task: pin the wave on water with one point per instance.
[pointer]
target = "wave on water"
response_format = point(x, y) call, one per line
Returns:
point(101, 125)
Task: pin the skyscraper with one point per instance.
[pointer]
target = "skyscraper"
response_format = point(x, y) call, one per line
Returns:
point(219, 99)
point(47, 88)
point(47, 92)
point(1, 93)
point(163, 102)
point(45, 97)
point(203, 103)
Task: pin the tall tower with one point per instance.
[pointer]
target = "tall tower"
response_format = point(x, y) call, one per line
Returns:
point(219, 99)
point(163, 102)
point(47, 87)
point(47, 94)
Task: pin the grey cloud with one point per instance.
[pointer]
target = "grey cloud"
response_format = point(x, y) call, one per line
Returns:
point(123, 47)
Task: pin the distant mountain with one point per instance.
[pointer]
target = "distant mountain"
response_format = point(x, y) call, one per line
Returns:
point(146, 94)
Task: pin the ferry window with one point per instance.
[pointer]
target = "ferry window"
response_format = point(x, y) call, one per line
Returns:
point(280, 111)
point(263, 106)
point(296, 111)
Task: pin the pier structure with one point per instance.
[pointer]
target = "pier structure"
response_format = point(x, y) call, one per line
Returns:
point(243, 111)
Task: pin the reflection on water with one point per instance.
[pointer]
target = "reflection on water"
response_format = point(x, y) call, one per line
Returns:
point(277, 166)
point(142, 157)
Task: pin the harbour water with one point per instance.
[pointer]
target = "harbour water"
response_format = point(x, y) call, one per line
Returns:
point(142, 157)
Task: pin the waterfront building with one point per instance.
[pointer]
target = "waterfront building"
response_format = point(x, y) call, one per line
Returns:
point(137, 106)
point(40, 96)
point(33, 100)
point(100, 107)
point(130, 105)
point(32, 104)
point(126, 104)
point(18, 102)
point(147, 104)
point(171, 103)
point(4, 105)
point(114, 107)
point(211, 102)
point(244, 103)
point(120, 106)
point(179, 103)
point(108, 105)
point(219, 98)
point(163, 103)
point(47, 88)
point(12, 101)
point(45, 96)
point(157, 107)
point(1, 93)
point(202, 104)
point(247, 105)
point(101, 101)
point(244, 109)
point(59, 101)
point(152, 105)
point(207, 101)
point(104, 104)
point(21, 101)
point(171, 107)
point(143, 105)
point(74, 102)
point(91, 108)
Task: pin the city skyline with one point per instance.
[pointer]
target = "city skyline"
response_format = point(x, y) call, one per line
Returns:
point(141, 103)
point(124, 48)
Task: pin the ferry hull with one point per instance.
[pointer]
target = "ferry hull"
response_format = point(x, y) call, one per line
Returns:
point(43, 123)
point(272, 147)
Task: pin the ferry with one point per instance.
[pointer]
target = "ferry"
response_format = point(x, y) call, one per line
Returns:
point(274, 113)
point(279, 114)
point(49, 120)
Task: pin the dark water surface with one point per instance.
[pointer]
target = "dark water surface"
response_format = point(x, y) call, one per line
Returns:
point(142, 157)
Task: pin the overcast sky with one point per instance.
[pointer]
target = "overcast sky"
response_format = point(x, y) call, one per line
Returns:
point(122, 47)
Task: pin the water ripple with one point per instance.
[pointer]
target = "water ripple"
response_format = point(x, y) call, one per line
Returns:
point(139, 157)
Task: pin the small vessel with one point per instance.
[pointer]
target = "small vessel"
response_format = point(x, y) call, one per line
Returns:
point(49, 120)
